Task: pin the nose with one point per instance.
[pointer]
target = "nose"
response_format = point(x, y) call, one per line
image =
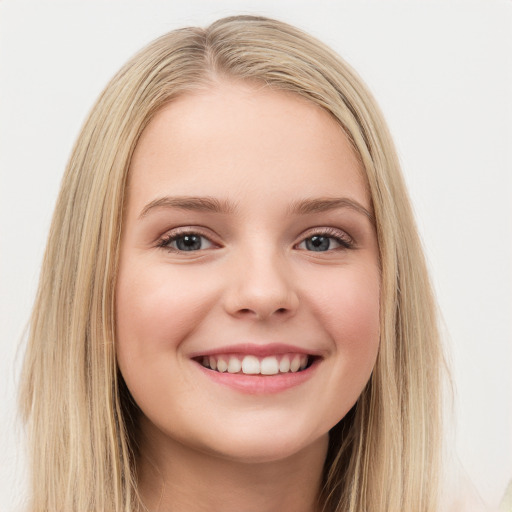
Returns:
point(261, 287)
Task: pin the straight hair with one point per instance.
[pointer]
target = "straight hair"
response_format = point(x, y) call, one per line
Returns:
point(384, 455)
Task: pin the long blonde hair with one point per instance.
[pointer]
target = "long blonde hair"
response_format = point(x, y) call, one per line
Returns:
point(384, 455)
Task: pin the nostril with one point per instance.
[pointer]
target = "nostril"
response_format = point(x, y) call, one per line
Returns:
point(247, 311)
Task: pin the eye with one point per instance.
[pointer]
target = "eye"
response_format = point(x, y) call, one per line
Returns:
point(185, 242)
point(327, 240)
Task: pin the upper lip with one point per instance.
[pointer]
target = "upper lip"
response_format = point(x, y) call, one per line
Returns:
point(261, 350)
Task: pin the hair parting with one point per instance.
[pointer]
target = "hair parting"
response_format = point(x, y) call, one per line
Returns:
point(80, 418)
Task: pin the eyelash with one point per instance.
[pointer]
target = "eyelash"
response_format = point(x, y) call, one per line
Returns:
point(345, 241)
point(167, 239)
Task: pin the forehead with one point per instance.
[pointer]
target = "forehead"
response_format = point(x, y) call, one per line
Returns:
point(235, 135)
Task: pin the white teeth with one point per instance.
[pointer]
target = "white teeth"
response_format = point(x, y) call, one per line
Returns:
point(295, 364)
point(269, 366)
point(284, 365)
point(222, 366)
point(250, 365)
point(234, 365)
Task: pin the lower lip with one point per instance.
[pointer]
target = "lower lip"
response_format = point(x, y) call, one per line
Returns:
point(260, 384)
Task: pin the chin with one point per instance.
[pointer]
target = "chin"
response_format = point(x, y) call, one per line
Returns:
point(255, 448)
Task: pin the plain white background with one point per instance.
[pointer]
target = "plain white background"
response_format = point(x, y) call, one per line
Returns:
point(442, 73)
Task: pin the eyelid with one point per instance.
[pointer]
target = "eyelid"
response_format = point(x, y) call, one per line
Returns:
point(162, 242)
point(346, 240)
point(172, 234)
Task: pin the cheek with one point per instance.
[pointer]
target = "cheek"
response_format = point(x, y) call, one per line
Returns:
point(350, 301)
point(350, 313)
point(156, 309)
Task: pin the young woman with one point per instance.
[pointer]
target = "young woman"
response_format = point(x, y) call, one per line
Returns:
point(234, 311)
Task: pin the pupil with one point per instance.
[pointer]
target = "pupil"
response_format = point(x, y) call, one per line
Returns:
point(189, 243)
point(318, 243)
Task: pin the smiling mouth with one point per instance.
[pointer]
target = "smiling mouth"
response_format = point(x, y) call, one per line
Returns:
point(254, 365)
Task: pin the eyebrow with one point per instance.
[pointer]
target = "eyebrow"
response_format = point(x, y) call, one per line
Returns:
point(319, 205)
point(201, 204)
point(214, 205)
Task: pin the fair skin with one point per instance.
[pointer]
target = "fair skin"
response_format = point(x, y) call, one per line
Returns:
point(248, 241)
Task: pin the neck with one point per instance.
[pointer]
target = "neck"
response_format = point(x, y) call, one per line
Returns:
point(176, 477)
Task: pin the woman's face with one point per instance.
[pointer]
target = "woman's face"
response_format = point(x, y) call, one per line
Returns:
point(248, 289)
